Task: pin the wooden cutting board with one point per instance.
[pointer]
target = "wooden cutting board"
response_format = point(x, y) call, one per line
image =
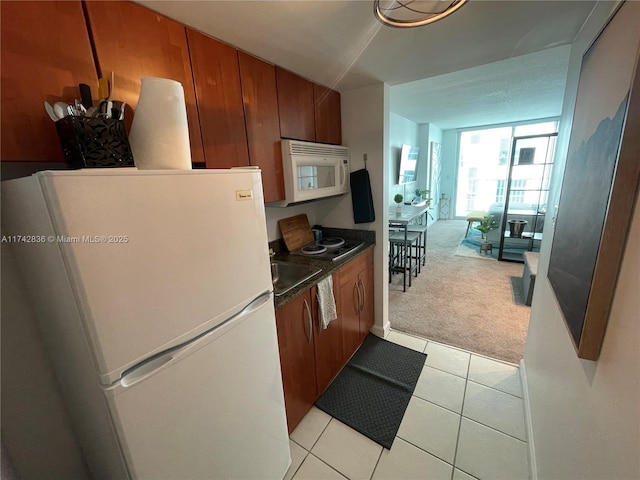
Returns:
point(296, 231)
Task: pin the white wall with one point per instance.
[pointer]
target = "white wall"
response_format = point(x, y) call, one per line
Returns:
point(585, 415)
point(403, 131)
point(365, 129)
point(274, 214)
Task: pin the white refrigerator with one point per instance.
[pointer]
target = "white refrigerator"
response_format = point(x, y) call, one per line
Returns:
point(153, 291)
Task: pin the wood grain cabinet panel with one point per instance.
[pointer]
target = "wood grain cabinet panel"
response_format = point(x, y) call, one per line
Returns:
point(216, 76)
point(134, 42)
point(327, 112)
point(46, 53)
point(328, 343)
point(260, 99)
point(295, 105)
point(356, 302)
point(349, 309)
point(297, 360)
point(365, 282)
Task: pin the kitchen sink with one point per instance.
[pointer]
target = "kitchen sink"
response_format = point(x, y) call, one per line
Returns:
point(287, 275)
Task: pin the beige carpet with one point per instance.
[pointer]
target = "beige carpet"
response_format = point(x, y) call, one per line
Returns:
point(466, 302)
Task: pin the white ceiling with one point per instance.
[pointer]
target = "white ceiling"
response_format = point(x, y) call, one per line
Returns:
point(521, 88)
point(339, 44)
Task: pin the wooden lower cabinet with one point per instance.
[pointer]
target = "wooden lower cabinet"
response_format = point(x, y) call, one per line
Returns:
point(356, 302)
point(365, 281)
point(310, 357)
point(297, 357)
point(327, 343)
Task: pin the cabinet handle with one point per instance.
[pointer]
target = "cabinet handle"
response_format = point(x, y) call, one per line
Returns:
point(309, 320)
point(318, 311)
point(364, 293)
point(357, 302)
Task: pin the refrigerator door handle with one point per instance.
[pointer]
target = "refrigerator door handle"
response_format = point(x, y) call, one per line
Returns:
point(151, 365)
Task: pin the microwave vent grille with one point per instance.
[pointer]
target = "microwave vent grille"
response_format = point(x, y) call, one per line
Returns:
point(318, 149)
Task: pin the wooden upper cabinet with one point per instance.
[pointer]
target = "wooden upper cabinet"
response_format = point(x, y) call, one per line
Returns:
point(46, 53)
point(260, 99)
point(216, 75)
point(295, 104)
point(328, 121)
point(134, 42)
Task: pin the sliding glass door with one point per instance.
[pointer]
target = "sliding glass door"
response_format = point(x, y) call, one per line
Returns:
point(483, 165)
point(531, 164)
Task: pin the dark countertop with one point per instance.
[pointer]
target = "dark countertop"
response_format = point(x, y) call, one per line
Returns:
point(328, 267)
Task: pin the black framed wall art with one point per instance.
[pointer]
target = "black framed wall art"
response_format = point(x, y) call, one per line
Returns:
point(600, 182)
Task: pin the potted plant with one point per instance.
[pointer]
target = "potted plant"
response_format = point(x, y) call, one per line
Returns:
point(423, 195)
point(486, 225)
point(398, 199)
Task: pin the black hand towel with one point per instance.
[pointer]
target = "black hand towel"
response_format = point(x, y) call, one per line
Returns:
point(361, 198)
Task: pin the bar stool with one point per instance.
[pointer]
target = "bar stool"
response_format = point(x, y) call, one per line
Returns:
point(400, 256)
point(421, 246)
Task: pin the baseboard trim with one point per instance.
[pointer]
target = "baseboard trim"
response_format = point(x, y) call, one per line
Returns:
point(533, 470)
point(381, 332)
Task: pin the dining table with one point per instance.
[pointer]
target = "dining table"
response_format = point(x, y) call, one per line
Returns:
point(407, 214)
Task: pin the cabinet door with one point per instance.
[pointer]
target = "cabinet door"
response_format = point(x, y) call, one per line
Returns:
point(134, 42)
point(259, 96)
point(328, 343)
point(295, 105)
point(216, 76)
point(328, 119)
point(297, 362)
point(46, 53)
point(349, 305)
point(365, 283)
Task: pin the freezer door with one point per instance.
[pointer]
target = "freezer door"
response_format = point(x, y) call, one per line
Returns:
point(156, 258)
point(215, 413)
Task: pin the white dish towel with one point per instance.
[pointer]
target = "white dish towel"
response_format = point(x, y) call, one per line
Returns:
point(326, 302)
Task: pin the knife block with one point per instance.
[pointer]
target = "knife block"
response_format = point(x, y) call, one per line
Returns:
point(90, 142)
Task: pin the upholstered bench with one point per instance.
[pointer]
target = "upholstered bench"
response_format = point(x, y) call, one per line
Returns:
point(474, 216)
point(529, 275)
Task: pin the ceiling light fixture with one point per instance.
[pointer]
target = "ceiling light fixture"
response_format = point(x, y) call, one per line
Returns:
point(413, 13)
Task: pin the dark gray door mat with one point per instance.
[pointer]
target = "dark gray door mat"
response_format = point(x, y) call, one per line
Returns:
point(372, 391)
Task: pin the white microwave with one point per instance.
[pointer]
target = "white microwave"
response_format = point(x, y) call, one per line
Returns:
point(313, 171)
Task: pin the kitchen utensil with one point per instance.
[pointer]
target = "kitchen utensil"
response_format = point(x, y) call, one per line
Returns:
point(110, 79)
point(85, 94)
point(103, 88)
point(61, 109)
point(79, 107)
point(296, 231)
point(105, 108)
point(50, 112)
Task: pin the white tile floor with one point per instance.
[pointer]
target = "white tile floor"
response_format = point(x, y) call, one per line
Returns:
point(465, 421)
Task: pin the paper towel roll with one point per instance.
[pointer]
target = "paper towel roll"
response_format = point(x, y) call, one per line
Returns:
point(159, 136)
